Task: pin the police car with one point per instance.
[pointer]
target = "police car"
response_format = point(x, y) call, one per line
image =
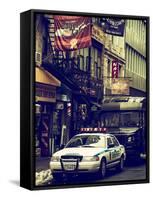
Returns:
point(93, 150)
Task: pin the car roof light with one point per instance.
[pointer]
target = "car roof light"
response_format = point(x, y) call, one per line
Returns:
point(94, 130)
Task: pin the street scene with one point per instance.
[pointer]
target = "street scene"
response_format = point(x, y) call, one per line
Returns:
point(134, 171)
point(90, 99)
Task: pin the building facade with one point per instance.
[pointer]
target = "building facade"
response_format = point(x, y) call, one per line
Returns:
point(78, 90)
point(135, 47)
point(114, 53)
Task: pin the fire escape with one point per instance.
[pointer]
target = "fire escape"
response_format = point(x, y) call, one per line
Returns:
point(67, 68)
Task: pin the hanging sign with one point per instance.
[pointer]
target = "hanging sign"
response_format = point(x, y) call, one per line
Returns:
point(98, 34)
point(114, 26)
point(72, 32)
point(120, 87)
point(115, 69)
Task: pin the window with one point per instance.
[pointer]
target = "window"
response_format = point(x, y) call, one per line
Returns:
point(92, 61)
point(45, 43)
point(87, 141)
point(96, 62)
point(129, 119)
point(110, 119)
point(109, 141)
point(127, 58)
point(81, 62)
point(115, 141)
point(121, 71)
point(83, 58)
point(99, 67)
point(108, 67)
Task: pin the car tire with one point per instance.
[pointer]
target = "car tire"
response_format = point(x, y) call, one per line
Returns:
point(120, 166)
point(102, 170)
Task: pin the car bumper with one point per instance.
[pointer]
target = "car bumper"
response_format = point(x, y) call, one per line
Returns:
point(83, 167)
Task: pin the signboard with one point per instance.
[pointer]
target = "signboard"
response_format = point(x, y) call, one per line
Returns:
point(114, 26)
point(60, 106)
point(72, 32)
point(120, 87)
point(98, 34)
point(45, 93)
point(115, 69)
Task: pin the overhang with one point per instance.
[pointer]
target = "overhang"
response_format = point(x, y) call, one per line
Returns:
point(43, 76)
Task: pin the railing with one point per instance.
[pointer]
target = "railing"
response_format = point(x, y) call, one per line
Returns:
point(88, 85)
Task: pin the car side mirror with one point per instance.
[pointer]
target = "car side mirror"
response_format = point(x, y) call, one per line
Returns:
point(111, 145)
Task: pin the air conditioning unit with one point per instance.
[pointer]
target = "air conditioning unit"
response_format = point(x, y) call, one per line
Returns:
point(38, 58)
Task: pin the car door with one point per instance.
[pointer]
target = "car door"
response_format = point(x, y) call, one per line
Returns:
point(116, 154)
point(111, 149)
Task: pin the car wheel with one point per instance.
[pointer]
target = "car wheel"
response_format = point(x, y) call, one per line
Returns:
point(102, 171)
point(120, 167)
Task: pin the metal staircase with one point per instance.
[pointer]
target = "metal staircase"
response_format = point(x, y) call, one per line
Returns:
point(67, 68)
point(57, 55)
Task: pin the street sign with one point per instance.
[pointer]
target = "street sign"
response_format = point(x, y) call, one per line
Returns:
point(115, 69)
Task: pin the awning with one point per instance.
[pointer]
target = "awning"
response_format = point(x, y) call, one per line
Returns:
point(122, 106)
point(43, 76)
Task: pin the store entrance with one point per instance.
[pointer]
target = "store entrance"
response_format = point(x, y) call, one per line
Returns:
point(42, 134)
point(43, 126)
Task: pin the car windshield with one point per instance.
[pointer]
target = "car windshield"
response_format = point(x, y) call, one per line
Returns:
point(121, 119)
point(87, 141)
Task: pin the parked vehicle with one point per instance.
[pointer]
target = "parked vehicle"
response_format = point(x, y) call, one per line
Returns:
point(127, 121)
point(88, 153)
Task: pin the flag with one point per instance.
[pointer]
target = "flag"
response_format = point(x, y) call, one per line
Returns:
point(72, 32)
point(114, 26)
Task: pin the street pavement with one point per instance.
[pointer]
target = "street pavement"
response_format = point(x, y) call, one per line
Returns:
point(132, 171)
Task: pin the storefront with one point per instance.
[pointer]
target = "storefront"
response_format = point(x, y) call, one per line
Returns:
point(45, 103)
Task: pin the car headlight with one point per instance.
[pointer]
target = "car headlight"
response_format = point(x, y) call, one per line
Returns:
point(55, 159)
point(90, 158)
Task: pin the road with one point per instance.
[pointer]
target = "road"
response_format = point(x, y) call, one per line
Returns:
point(131, 172)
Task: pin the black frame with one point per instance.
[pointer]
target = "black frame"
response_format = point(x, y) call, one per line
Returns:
point(27, 96)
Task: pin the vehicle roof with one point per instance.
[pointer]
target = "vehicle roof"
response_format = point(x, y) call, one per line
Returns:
point(125, 130)
point(122, 106)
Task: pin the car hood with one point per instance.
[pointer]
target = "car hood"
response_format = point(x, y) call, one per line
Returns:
point(81, 151)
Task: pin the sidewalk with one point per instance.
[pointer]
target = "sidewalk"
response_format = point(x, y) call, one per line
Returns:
point(43, 173)
point(42, 163)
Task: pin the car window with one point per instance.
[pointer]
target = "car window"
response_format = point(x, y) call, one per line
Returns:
point(109, 141)
point(76, 142)
point(115, 141)
point(87, 141)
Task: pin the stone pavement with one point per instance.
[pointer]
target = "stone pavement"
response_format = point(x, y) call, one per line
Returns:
point(42, 163)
